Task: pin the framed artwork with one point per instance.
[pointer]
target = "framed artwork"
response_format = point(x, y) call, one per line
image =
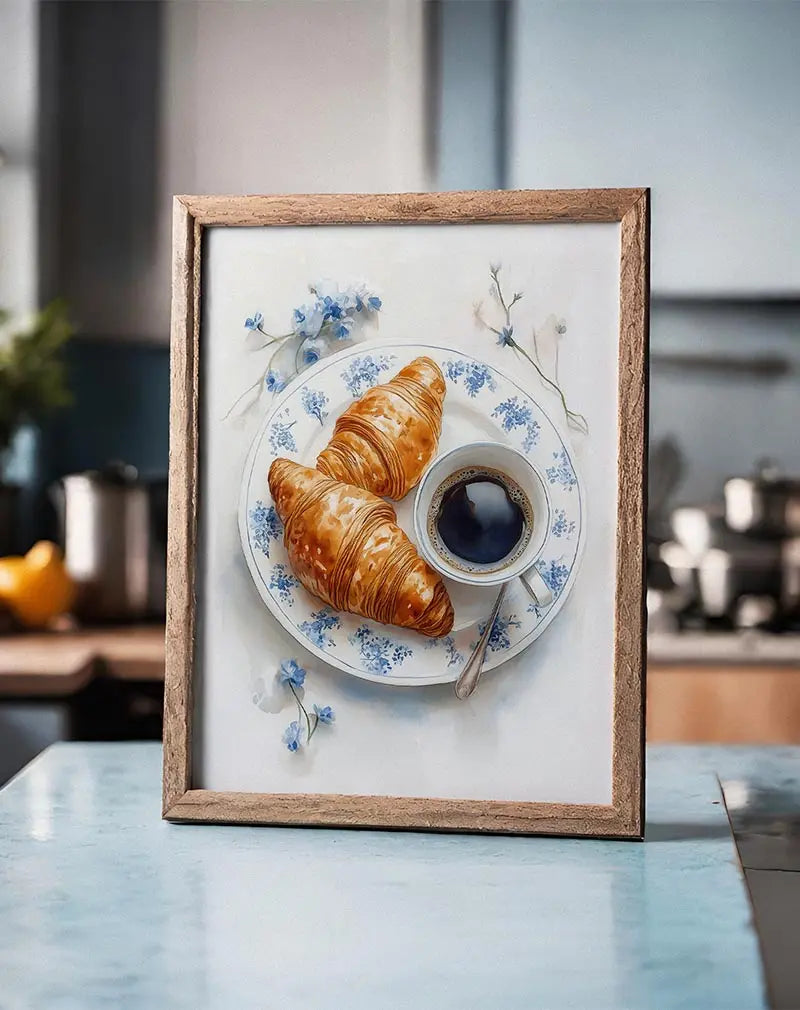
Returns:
point(406, 505)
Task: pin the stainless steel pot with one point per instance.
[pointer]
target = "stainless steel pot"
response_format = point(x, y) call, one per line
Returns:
point(114, 535)
point(766, 504)
point(697, 528)
point(752, 568)
point(682, 567)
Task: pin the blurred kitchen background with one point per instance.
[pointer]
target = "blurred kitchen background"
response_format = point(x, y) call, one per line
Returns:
point(108, 108)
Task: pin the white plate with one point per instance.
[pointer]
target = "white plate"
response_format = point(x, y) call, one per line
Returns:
point(481, 403)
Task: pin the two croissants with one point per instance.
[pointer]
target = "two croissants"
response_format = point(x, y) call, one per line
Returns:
point(342, 539)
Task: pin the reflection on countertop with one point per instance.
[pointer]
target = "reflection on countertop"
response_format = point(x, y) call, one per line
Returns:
point(465, 920)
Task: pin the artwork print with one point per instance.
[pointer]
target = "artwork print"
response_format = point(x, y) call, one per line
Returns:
point(341, 366)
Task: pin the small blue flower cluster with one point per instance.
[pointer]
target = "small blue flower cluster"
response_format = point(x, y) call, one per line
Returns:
point(280, 437)
point(316, 630)
point(499, 636)
point(454, 657)
point(476, 375)
point(294, 676)
point(554, 573)
point(561, 472)
point(332, 315)
point(362, 373)
point(290, 672)
point(515, 415)
point(265, 525)
point(561, 527)
point(314, 403)
point(283, 582)
point(274, 382)
point(379, 653)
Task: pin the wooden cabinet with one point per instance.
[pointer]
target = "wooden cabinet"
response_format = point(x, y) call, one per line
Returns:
point(723, 704)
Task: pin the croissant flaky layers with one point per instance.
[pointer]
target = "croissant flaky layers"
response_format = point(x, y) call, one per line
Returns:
point(344, 545)
point(384, 440)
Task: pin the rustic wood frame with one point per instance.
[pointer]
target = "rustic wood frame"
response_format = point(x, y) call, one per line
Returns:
point(624, 818)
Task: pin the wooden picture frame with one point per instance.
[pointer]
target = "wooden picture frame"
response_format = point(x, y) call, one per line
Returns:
point(192, 217)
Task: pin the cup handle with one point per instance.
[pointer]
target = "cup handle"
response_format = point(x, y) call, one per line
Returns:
point(537, 587)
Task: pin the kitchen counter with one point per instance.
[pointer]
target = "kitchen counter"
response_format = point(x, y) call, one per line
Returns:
point(102, 903)
point(724, 648)
point(702, 687)
point(61, 663)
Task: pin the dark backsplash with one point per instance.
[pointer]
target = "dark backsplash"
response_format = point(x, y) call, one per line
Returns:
point(120, 412)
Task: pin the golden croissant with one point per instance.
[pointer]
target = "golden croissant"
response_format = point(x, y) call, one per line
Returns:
point(384, 440)
point(345, 546)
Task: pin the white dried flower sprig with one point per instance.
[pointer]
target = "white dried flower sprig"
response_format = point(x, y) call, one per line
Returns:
point(505, 337)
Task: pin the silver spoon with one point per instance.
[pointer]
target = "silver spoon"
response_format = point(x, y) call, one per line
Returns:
point(471, 674)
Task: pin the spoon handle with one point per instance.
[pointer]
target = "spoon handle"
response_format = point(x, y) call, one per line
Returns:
point(470, 675)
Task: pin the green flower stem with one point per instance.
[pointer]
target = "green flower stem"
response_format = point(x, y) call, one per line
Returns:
point(239, 398)
point(260, 380)
point(302, 708)
point(270, 337)
point(570, 413)
point(578, 421)
point(324, 334)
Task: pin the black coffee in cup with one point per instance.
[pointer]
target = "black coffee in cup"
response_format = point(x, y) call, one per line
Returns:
point(480, 519)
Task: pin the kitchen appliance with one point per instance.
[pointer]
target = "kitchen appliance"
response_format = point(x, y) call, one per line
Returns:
point(755, 611)
point(766, 504)
point(113, 527)
point(682, 572)
point(698, 527)
point(751, 568)
point(736, 562)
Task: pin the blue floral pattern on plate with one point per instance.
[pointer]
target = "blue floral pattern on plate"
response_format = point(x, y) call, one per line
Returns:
point(281, 438)
point(265, 526)
point(283, 582)
point(380, 653)
point(562, 527)
point(314, 403)
point(561, 472)
point(496, 407)
point(448, 644)
point(555, 574)
point(475, 374)
point(364, 372)
point(514, 415)
point(318, 629)
point(499, 636)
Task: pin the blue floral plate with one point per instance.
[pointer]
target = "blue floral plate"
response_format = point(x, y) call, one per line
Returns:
point(481, 403)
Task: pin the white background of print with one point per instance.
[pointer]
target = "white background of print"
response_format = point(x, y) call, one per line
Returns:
point(539, 727)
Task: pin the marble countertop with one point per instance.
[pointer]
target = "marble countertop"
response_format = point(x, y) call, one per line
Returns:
point(104, 904)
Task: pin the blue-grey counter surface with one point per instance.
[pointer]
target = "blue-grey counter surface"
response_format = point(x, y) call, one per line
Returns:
point(102, 904)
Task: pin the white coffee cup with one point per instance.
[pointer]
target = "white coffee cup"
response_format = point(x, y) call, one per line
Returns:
point(505, 462)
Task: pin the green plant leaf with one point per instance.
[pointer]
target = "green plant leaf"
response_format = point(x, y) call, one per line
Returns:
point(33, 378)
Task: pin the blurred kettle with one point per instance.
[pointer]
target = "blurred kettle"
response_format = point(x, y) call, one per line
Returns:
point(114, 533)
